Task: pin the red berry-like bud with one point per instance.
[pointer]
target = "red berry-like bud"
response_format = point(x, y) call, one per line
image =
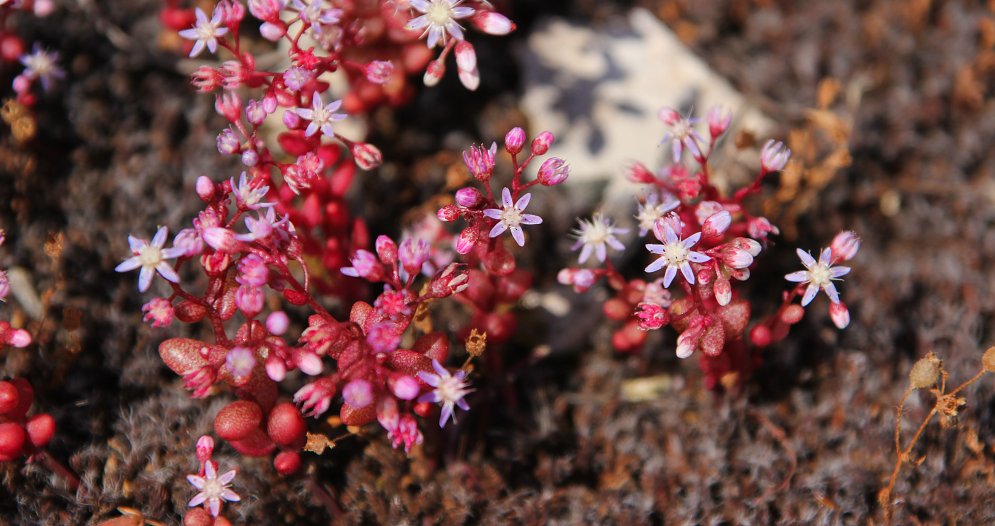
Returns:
point(285, 425)
point(542, 142)
point(287, 462)
point(9, 397)
point(448, 213)
point(237, 420)
point(12, 438)
point(760, 336)
point(198, 517)
point(41, 429)
point(793, 314)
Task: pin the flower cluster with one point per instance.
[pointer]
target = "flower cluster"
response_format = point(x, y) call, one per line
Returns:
point(703, 243)
point(309, 174)
point(495, 281)
point(39, 65)
point(377, 376)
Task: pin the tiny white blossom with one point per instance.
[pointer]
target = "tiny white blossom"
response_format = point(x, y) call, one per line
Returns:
point(510, 217)
point(438, 19)
point(213, 489)
point(151, 257)
point(321, 116)
point(675, 254)
point(205, 32)
point(819, 275)
point(596, 235)
point(42, 65)
point(653, 209)
point(450, 390)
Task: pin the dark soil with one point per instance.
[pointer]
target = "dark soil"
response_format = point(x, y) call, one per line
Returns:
point(121, 142)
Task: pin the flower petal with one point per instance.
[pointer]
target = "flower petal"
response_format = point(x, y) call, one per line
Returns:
point(806, 258)
point(800, 276)
point(506, 198)
point(810, 293)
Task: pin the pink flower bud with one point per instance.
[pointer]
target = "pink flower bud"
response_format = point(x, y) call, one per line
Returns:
point(469, 197)
point(480, 161)
point(405, 387)
point(205, 448)
point(43, 8)
point(687, 342)
point(366, 266)
point(277, 323)
point(158, 312)
point(255, 113)
point(845, 246)
point(774, 156)
point(637, 172)
point(668, 115)
point(651, 316)
point(206, 79)
point(291, 120)
point(386, 250)
point(276, 370)
point(454, 279)
point(716, 224)
point(448, 213)
point(466, 57)
point(760, 336)
point(266, 10)
point(737, 258)
point(249, 300)
point(514, 140)
point(553, 171)
point(228, 143)
point(839, 314)
point(232, 13)
point(221, 239)
point(252, 271)
point(250, 158)
point(308, 362)
point(272, 31)
point(759, 227)
point(413, 254)
point(358, 393)
point(379, 71)
point(366, 155)
point(466, 240)
point(229, 106)
point(434, 72)
point(205, 188)
point(542, 142)
point(723, 291)
point(718, 121)
point(19, 338)
point(492, 23)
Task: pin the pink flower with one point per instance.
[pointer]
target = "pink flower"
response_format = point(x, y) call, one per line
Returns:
point(212, 488)
point(158, 312)
point(358, 393)
point(480, 161)
point(438, 19)
point(450, 390)
point(321, 116)
point(240, 361)
point(364, 265)
point(295, 78)
point(819, 275)
point(774, 156)
point(413, 254)
point(315, 398)
point(718, 120)
point(249, 194)
point(595, 235)
point(41, 65)
point(379, 71)
point(651, 316)
point(205, 32)
point(653, 209)
point(510, 217)
point(675, 254)
point(151, 258)
point(681, 134)
point(401, 429)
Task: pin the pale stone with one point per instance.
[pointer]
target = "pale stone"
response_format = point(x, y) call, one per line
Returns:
point(599, 90)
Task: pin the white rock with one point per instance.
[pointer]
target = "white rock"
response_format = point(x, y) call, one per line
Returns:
point(599, 90)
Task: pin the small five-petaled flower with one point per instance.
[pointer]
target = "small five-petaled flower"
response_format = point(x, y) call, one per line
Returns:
point(450, 390)
point(205, 32)
point(151, 257)
point(510, 217)
point(819, 275)
point(675, 253)
point(213, 489)
point(438, 19)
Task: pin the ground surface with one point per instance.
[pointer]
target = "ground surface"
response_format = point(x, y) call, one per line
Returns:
point(121, 143)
